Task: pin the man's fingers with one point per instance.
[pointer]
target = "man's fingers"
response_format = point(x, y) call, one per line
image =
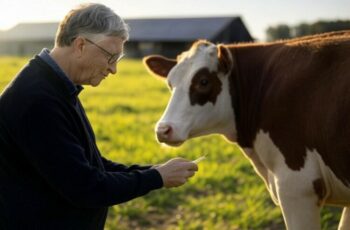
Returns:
point(189, 165)
point(179, 159)
point(177, 172)
point(190, 174)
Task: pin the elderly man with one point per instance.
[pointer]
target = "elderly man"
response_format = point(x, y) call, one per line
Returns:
point(52, 175)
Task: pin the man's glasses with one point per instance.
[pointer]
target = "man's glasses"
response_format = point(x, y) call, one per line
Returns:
point(113, 58)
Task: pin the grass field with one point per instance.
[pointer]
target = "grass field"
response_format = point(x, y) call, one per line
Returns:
point(225, 194)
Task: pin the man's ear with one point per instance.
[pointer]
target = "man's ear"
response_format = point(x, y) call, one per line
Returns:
point(225, 59)
point(78, 45)
point(159, 65)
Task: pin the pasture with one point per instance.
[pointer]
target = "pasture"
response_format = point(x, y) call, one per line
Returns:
point(226, 193)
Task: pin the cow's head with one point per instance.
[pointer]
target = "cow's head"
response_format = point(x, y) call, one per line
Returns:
point(201, 101)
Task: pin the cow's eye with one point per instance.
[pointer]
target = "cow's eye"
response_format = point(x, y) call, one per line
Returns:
point(204, 82)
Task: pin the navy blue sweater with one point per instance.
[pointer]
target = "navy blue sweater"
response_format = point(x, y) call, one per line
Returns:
point(52, 175)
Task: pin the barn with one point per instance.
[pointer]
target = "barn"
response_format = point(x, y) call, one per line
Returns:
point(166, 36)
point(27, 39)
point(170, 36)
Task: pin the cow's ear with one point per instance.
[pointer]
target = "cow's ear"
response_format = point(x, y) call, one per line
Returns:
point(159, 65)
point(225, 59)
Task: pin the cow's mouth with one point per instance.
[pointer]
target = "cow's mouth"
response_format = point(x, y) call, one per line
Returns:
point(173, 143)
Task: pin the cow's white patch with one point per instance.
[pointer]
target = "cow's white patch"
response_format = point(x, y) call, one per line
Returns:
point(314, 168)
point(294, 189)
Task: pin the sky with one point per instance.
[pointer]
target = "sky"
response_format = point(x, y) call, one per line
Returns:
point(257, 15)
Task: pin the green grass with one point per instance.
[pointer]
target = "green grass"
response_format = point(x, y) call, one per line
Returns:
point(225, 194)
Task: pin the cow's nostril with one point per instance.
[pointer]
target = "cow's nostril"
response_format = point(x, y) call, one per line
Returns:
point(167, 131)
point(164, 132)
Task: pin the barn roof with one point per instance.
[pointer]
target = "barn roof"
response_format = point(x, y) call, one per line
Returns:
point(179, 29)
point(148, 29)
point(31, 32)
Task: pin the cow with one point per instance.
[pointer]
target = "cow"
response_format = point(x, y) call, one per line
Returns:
point(286, 104)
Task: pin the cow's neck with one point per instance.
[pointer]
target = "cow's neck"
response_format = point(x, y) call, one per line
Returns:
point(247, 88)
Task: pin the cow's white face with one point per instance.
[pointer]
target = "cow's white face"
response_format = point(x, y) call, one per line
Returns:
point(200, 103)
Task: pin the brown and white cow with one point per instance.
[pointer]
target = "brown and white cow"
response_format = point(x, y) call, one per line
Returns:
point(286, 103)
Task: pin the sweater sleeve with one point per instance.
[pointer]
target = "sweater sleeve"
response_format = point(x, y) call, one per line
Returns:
point(111, 166)
point(51, 147)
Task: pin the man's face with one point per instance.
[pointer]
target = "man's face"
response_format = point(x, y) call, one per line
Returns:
point(99, 59)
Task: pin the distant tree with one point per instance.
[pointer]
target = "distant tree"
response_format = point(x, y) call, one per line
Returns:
point(284, 31)
point(278, 32)
point(302, 29)
point(324, 26)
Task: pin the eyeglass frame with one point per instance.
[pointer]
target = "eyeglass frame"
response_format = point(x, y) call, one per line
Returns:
point(114, 58)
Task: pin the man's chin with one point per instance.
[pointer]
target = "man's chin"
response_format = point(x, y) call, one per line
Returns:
point(95, 83)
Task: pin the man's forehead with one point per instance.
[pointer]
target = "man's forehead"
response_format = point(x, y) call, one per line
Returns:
point(113, 41)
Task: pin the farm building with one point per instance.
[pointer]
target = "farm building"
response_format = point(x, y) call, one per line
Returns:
point(166, 36)
point(27, 38)
point(171, 36)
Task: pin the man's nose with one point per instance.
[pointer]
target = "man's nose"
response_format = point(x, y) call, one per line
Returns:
point(112, 68)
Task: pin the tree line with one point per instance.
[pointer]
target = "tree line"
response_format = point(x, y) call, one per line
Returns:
point(284, 31)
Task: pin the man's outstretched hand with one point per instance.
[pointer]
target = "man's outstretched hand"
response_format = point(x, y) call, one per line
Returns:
point(176, 172)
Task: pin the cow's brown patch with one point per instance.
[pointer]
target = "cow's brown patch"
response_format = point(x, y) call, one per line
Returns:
point(205, 87)
point(298, 92)
point(320, 190)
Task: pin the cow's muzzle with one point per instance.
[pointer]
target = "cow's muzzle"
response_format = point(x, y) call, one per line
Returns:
point(165, 134)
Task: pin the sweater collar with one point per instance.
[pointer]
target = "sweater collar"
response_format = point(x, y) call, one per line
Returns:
point(73, 89)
